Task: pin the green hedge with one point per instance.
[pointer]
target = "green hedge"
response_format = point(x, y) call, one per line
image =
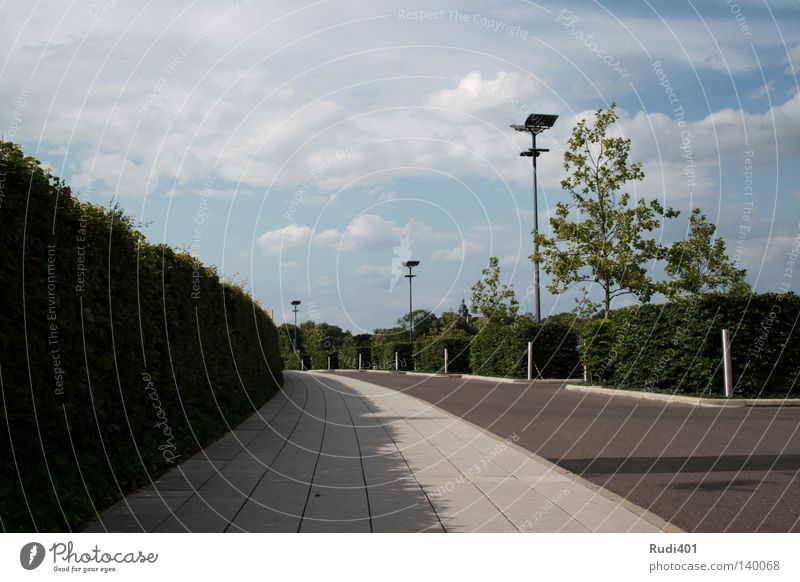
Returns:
point(501, 350)
point(429, 353)
point(383, 355)
point(348, 356)
point(677, 347)
point(118, 358)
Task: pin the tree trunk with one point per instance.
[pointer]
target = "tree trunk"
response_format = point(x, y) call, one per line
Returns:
point(607, 302)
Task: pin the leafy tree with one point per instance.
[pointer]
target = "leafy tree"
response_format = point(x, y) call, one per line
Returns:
point(423, 320)
point(490, 298)
point(288, 330)
point(450, 321)
point(607, 243)
point(322, 340)
point(699, 263)
point(390, 333)
point(584, 306)
point(286, 333)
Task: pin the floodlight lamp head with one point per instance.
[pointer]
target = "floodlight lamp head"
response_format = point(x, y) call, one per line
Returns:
point(537, 123)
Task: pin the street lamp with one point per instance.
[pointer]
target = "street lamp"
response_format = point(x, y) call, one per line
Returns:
point(295, 303)
point(536, 123)
point(410, 265)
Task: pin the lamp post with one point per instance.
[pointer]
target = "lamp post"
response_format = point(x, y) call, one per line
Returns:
point(295, 303)
point(535, 124)
point(410, 265)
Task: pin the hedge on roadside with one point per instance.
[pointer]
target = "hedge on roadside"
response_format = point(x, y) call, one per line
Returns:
point(429, 353)
point(348, 355)
point(383, 355)
point(677, 347)
point(118, 358)
point(501, 350)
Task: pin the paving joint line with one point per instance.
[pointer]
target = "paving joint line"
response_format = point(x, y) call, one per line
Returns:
point(367, 403)
point(275, 458)
point(360, 460)
point(316, 462)
point(643, 513)
point(195, 490)
point(446, 458)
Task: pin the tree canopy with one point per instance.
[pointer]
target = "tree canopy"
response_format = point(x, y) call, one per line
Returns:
point(603, 236)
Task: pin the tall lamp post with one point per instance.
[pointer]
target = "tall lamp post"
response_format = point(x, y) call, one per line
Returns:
point(410, 265)
point(295, 303)
point(535, 124)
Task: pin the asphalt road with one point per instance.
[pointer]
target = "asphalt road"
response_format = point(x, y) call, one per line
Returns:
point(703, 469)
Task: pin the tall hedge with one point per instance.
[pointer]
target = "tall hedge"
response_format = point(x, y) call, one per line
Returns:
point(677, 347)
point(501, 349)
point(383, 355)
point(429, 353)
point(118, 358)
point(352, 347)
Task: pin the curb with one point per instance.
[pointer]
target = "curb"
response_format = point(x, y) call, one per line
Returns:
point(687, 400)
point(465, 376)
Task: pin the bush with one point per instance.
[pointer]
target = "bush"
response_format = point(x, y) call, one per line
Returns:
point(429, 353)
point(118, 358)
point(493, 352)
point(348, 356)
point(555, 349)
point(677, 347)
point(501, 350)
point(383, 355)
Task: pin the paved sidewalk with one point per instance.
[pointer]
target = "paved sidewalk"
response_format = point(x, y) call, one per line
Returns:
point(335, 454)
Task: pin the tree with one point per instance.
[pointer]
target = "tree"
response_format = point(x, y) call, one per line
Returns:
point(584, 306)
point(423, 320)
point(451, 321)
point(286, 333)
point(490, 298)
point(607, 243)
point(321, 341)
point(699, 263)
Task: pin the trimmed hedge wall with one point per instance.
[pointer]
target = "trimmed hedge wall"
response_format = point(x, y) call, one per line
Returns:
point(501, 350)
point(348, 356)
point(383, 355)
point(429, 353)
point(118, 358)
point(677, 347)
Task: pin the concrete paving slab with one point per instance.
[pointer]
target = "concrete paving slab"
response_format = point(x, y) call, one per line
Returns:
point(338, 454)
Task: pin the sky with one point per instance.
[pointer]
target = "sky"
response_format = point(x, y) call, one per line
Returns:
point(308, 148)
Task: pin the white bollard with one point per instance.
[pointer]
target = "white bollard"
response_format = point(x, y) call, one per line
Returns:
point(530, 360)
point(726, 362)
point(359, 361)
point(396, 361)
point(329, 363)
point(445, 360)
point(585, 374)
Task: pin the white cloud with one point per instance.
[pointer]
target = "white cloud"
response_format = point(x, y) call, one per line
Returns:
point(329, 237)
point(458, 252)
point(369, 230)
point(473, 94)
point(762, 90)
point(122, 176)
point(365, 231)
point(286, 238)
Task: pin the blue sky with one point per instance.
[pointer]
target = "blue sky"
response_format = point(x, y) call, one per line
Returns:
point(306, 147)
